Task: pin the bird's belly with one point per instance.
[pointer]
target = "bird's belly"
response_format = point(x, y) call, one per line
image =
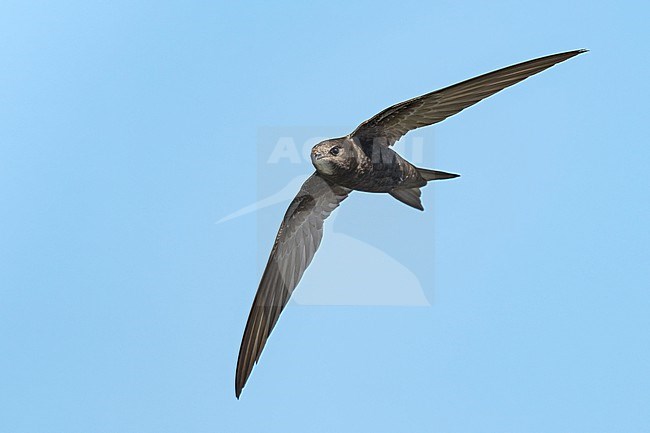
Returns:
point(379, 180)
point(376, 185)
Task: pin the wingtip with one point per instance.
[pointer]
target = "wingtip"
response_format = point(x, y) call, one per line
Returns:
point(239, 386)
point(568, 54)
point(580, 51)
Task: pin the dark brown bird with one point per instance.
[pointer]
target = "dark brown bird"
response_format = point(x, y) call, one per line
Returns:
point(363, 161)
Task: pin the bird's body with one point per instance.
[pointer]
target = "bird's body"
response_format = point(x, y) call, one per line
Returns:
point(369, 168)
point(362, 161)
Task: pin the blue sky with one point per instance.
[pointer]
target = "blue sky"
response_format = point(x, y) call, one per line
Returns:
point(128, 129)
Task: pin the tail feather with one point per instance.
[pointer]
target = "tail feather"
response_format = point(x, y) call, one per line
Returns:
point(435, 174)
point(409, 196)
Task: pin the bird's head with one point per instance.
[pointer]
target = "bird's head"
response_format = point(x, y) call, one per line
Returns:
point(333, 156)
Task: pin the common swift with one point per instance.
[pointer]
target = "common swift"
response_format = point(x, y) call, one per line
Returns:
point(361, 161)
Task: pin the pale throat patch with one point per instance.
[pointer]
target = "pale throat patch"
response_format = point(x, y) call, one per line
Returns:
point(323, 166)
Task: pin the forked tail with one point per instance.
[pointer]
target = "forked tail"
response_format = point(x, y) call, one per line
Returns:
point(411, 196)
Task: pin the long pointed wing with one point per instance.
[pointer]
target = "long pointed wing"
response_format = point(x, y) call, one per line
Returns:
point(295, 245)
point(392, 123)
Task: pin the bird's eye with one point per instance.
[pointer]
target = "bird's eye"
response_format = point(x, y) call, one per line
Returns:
point(335, 150)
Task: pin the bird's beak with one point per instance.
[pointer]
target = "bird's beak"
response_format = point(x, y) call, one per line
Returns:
point(315, 156)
